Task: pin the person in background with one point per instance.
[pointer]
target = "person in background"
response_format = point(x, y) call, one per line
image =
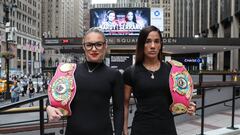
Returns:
point(15, 91)
point(31, 92)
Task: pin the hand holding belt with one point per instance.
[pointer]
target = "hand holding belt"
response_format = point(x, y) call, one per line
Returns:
point(181, 87)
point(62, 88)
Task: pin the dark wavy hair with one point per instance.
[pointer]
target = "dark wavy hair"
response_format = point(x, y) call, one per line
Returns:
point(141, 43)
point(134, 17)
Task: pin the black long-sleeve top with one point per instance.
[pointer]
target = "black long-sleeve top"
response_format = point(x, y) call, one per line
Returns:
point(90, 106)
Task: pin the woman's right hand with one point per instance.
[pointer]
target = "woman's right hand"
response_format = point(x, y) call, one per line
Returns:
point(125, 131)
point(54, 114)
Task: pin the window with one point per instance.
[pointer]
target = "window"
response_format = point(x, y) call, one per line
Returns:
point(24, 54)
point(29, 55)
point(19, 40)
point(18, 53)
point(24, 41)
point(34, 56)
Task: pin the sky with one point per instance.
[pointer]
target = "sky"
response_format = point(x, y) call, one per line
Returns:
point(103, 1)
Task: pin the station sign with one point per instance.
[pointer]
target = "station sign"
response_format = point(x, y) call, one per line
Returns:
point(192, 60)
point(132, 40)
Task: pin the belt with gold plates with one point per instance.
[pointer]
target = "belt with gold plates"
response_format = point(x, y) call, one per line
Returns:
point(62, 88)
point(181, 87)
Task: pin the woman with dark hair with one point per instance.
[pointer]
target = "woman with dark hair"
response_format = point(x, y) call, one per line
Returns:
point(131, 21)
point(149, 81)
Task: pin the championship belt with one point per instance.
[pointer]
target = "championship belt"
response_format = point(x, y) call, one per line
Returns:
point(181, 87)
point(62, 88)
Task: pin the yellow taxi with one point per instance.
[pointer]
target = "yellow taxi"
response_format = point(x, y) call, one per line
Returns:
point(3, 85)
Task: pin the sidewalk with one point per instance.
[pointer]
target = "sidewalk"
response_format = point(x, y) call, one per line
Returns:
point(214, 124)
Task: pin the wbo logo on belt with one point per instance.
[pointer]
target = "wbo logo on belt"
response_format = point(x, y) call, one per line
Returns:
point(181, 87)
point(62, 88)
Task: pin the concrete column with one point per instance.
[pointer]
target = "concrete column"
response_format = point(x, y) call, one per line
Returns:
point(235, 23)
point(210, 62)
point(27, 60)
point(13, 62)
point(172, 17)
point(193, 30)
point(210, 33)
point(234, 34)
point(235, 27)
point(200, 16)
point(21, 57)
point(183, 18)
point(208, 14)
point(40, 59)
point(234, 59)
point(220, 60)
point(32, 60)
point(187, 21)
point(37, 59)
point(221, 28)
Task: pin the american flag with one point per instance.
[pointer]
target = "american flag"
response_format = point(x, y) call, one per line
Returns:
point(27, 46)
point(32, 48)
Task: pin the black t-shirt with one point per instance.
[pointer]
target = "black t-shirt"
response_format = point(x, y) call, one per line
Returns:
point(90, 106)
point(153, 100)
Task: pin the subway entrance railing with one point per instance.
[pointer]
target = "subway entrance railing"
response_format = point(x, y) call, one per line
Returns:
point(201, 87)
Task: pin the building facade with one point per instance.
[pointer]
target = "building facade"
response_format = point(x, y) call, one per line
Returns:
point(61, 18)
point(54, 55)
point(210, 19)
point(24, 36)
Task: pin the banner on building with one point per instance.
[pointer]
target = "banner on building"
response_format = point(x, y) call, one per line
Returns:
point(157, 18)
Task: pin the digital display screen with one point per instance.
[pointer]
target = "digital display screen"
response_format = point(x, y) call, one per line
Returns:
point(120, 21)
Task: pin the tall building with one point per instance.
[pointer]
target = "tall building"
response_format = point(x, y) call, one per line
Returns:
point(25, 42)
point(168, 16)
point(210, 19)
point(206, 18)
point(61, 18)
point(86, 15)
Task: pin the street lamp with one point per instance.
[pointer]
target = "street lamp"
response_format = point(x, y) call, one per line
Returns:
point(8, 7)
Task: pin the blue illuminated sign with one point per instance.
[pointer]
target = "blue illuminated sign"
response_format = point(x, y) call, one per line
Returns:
point(192, 60)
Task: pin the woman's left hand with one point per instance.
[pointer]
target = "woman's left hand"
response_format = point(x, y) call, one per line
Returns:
point(191, 109)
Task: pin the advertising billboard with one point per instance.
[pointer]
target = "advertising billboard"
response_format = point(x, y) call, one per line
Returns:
point(120, 21)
